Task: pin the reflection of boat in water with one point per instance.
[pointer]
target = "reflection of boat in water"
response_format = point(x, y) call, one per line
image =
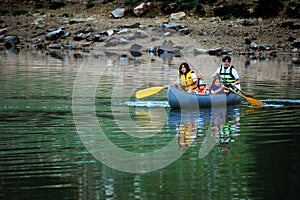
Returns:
point(181, 99)
point(185, 125)
point(204, 127)
point(208, 127)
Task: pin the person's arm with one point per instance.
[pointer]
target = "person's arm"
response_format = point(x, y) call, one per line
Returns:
point(194, 77)
point(237, 78)
point(177, 82)
point(237, 82)
point(199, 77)
point(213, 90)
point(216, 74)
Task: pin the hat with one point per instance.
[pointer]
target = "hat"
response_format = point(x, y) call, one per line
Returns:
point(202, 83)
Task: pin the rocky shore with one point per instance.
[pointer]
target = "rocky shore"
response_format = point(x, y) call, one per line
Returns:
point(54, 31)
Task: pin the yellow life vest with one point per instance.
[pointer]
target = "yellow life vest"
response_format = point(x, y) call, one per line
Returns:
point(187, 81)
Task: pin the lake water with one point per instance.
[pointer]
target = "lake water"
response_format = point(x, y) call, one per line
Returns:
point(71, 128)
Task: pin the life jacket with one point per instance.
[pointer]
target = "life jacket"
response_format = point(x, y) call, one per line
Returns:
point(187, 81)
point(227, 74)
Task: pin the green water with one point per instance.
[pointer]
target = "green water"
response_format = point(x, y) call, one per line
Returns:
point(47, 151)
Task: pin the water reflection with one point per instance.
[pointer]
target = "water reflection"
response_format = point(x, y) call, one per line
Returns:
point(233, 153)
point(204, 129)
point(186, 127)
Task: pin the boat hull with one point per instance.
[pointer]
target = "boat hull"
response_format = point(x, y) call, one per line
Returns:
point(180, 99)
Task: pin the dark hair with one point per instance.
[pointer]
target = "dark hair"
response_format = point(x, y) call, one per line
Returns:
point(226, 58)
point(214, 81)
point(186, 66)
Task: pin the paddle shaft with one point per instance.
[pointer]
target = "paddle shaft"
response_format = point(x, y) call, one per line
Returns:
point(151, 91)
point(232, 85)
point(238, 89)
point(227, 88)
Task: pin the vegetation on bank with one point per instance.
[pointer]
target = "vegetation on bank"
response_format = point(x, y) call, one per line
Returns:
point(221, 8)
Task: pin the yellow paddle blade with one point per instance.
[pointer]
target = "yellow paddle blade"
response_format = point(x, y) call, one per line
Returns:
point(254, 101)
point(149, 91)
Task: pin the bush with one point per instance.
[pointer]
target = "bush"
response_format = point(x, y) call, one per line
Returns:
point(186, 6)
point(56, 5)
point(267, 9)
point(21, 12)
point(130, 2)
point(293, 10)
point(163, 7)
point(233, 10)
point(3, 12)
point(183, 6)
point(210, 2)
point(39, 4)
point(199, 9)
point(90, 4)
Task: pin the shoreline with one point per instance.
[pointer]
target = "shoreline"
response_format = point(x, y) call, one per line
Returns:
point(267, 36)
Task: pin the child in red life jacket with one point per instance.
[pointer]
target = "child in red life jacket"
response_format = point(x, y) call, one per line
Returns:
point(202, 89)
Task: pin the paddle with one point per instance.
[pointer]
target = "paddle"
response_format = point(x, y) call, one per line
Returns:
point(251, 99)
point(149, 91)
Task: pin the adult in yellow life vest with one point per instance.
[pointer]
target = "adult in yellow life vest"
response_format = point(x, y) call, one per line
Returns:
point(228, 72)
point(187, 79)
